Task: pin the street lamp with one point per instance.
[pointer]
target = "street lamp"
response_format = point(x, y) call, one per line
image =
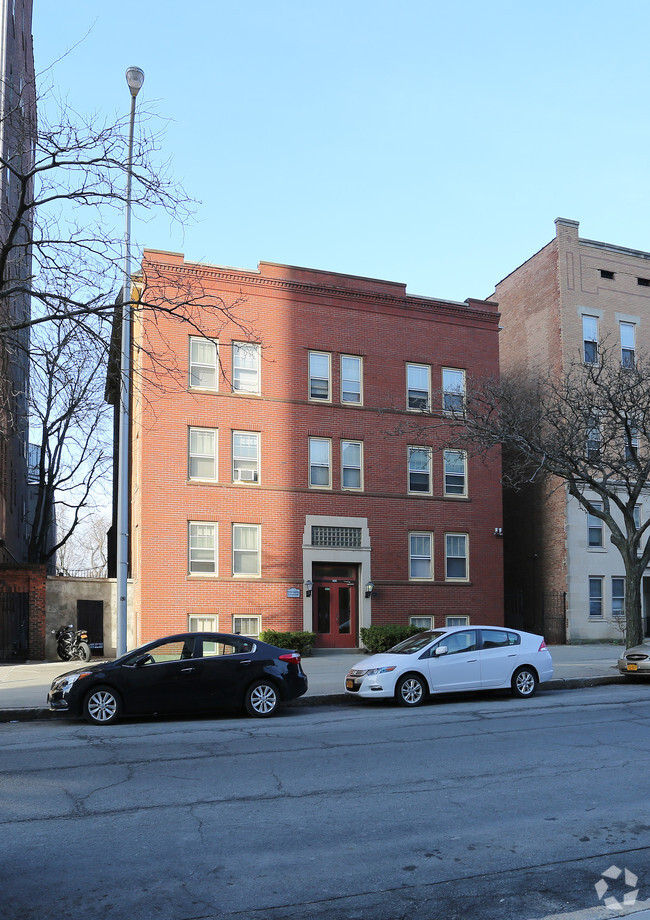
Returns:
point(134, 79)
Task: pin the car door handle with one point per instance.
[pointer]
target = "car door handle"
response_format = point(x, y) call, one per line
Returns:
point(246, 661)
point(186, 670)
point(471, 660)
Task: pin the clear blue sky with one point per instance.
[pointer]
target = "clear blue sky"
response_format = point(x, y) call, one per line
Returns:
point(427, 142)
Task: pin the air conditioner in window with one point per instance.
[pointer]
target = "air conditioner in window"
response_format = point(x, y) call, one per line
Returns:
point(245, 475)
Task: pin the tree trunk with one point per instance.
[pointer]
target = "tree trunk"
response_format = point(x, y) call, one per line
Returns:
point(633, 611)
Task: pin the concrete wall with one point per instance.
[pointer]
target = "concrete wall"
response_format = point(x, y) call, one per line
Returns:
point(61, 607)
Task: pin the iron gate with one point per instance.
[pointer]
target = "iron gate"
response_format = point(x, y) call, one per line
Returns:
point(14, 626)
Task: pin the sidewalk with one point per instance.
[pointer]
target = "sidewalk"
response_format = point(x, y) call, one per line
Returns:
point(23, 687)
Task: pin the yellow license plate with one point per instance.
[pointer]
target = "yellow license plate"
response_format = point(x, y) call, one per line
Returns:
point(349, 684)
point(632, 667)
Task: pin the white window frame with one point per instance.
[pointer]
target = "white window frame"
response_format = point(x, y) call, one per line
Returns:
point(595, 524)
point(257, 551)
point(453, 387)
point(456, 621)
point(449, 557)
point(618, 599)
point(215, 549)
point(197, 456)
point(595, 597)
point(421, 556)
point(345, 466)
point(447, 458)
point(429, 452)
point(422, 626)
point(412, 390)
point(359, 361)
point(239, 348)
point(590, 337)
point(198, 622)
point(196, 366)
point(246, 474)
point(627, 333)
point(235, 623)
point(631, 442)
point(314, 441)
point(313, 377)
point(594, 443)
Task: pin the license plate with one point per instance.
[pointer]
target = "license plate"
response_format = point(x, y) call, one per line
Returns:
point(632, 667)
point(349, 684)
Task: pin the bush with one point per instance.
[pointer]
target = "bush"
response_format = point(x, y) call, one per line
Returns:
point(302, 642)
point(381, 638)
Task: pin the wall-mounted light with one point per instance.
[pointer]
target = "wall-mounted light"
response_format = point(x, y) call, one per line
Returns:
point(308, 586)
point(498, 531)
point(369, 589)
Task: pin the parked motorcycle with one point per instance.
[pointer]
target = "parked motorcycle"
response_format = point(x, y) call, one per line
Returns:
point(72, 643)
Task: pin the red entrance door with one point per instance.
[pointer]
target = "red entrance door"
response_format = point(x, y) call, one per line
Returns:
point(335, 609)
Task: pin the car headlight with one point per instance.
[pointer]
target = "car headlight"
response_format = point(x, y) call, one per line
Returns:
point(64, 683)
point(380, 670)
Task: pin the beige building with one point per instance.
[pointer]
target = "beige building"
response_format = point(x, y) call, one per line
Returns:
point(561, 569)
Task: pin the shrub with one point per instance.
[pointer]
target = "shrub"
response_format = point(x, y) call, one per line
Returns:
point(381, 638)
point(301, 642)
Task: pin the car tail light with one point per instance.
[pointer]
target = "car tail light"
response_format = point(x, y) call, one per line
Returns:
point(542, 647)
point(291, 657)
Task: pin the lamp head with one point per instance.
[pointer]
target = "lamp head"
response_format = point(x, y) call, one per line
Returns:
point(135, 79)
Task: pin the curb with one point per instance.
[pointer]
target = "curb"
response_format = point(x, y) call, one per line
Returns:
point(332, 699)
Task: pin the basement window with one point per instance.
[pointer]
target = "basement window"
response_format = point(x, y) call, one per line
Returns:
point(644, 282)
point(604, 273)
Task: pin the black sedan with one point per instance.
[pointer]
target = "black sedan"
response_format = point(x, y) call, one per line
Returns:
point(190, 672)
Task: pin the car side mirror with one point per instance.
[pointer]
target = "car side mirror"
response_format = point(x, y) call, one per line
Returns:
point(441, 650)
point(144, 659)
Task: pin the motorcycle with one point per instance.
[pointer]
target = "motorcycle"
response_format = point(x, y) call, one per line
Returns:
point(72, 643)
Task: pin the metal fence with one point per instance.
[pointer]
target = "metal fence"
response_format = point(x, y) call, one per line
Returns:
point(543, 613)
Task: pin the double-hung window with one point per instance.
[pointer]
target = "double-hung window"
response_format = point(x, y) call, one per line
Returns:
point(245, 456)
point(246, 549)
point(418, 387)
point(351, 379)
point(595, 528)
point(453, 391)
point(203, 363)
point(320, 463)
point(628, 344)
point(320, 375)
point(590, 339)
point(631, 436)
point(202, 548)
point(352, 465)
point(618, 597)
point(594, 438)
point(420, 555)
point(456, 557)
point(202, 453)
point(245, 367)
point(595, 596)
point(455, 462)
point(419, 470)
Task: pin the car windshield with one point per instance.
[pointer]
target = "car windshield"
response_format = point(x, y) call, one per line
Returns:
point(415, 643)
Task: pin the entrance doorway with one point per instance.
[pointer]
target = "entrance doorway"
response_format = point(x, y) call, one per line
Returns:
point(334, 605)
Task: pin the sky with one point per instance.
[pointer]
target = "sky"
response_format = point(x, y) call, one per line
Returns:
point(420, 141)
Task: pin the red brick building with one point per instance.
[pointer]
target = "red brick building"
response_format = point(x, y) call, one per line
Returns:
point(289, 466)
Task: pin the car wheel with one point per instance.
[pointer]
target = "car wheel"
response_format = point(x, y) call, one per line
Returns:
point(102, 706)
point(410, 690)
point(524, 682)
point(262, 699)
point(83, 651)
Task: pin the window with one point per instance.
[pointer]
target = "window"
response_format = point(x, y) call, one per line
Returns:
point(202, 453)
point(245, 367)
point(419, 469)
point(637, 516)
point(351, 377)
point(453, 391)
point(605, 273)
point(595, 528)
point(595, 597)
point(198, 623)
point(245, 549)
point(202, 549)
point(320, 463)
point(456, 621)
point(456, 557)
point(420, 555)
point(418, 387)
point(618, 597)
point(459, 642)
point(455, 463)
point(351, 464)
point(593, 439)
point(203, 363)
point(245, 456)
point(631, 436)
point(320, 375)
point(421, 622)
point(590, 339)
point(628, 344)
point(499, 638)
point(246, 626)
point(643, 282)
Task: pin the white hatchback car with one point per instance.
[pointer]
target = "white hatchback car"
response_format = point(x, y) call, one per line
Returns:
point(449, 660)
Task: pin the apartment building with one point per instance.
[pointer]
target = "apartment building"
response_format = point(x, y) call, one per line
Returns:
point(289, 464)
point(556, 309)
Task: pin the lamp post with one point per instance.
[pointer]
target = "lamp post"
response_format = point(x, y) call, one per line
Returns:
point(134, 79)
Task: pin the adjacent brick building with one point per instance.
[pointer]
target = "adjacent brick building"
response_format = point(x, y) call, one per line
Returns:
point(555, 310)
point(289, 466)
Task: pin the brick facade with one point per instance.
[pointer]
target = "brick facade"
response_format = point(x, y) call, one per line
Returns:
point(291, 312)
